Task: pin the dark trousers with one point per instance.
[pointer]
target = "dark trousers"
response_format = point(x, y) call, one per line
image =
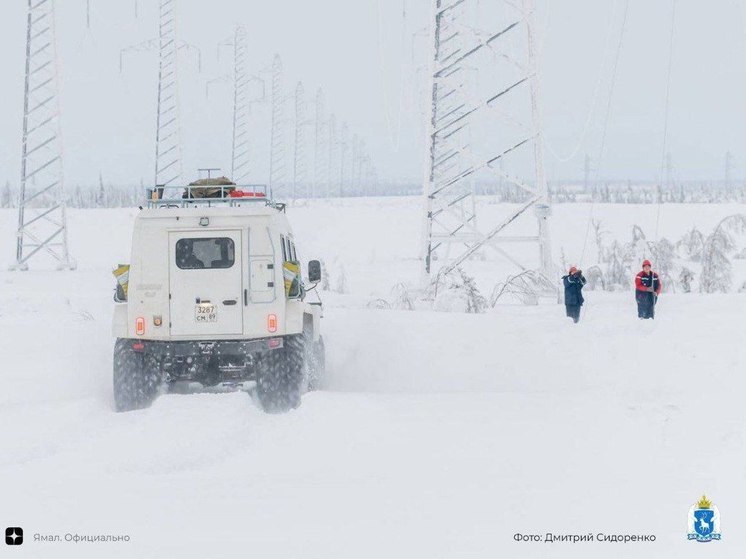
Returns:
point(573, 311)
point(646, 304)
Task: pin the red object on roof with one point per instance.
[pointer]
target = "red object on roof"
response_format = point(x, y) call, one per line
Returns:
point(245, 194)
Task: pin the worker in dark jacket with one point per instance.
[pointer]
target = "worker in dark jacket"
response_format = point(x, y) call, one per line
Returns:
point(647, 288)
point(574, 282)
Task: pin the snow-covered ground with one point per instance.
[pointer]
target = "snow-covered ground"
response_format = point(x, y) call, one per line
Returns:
point(440, 435)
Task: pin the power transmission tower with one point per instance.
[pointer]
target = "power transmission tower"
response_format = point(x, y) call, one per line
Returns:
point(454, 159)
point(241, 108)
point(243, 99)
point(728, 165)
point(299, 153)
point(321, 145)
point(42, 220)
point(277, 132)
point(362, 158)
point(354, 162)
point(343, 149)
point(167, 141)
point(332, 125)
point(374, 180)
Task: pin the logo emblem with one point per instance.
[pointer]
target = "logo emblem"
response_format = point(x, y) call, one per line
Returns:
point(704, 521)
point(14, 536)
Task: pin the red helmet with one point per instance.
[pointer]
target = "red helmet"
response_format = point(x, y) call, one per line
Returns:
point(646, 263)
point(573, 269)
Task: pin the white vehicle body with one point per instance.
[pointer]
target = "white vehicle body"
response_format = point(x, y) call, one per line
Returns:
point(241, 297)
point(214, 298)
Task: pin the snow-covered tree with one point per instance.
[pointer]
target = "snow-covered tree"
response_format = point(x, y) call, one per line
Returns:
point(6, 199)
point(599, 235)
point(475, 302)
point(341, 284)
point(101, 198)
point(525, 286)
point(325, 286)
point(686, 276)
point(595, 278)
point(716, 266)
point(664, 255)
point(400, 298)
point(639, 248)
point(691, 244)
point(617, 266)
point(458, 292)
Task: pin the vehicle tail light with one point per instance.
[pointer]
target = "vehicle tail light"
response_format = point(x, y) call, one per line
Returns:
point(274, 343)
point(272, 322)
point(140, 326)
point(138, 346)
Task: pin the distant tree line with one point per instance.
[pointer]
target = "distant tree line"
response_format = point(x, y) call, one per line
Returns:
point(117, 196)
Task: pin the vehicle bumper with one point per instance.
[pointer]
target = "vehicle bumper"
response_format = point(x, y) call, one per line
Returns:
point(176, 349)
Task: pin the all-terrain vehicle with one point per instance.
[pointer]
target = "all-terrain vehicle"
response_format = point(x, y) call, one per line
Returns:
point(213, 299)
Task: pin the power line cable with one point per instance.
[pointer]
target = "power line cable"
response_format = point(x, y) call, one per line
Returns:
point(394, 129)
point(665, 118)
point(594, 99)
point(606, 124)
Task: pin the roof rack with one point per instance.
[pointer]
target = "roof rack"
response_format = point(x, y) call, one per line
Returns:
point(188, 196)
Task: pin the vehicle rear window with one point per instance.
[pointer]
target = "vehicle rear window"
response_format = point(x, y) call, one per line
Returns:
point(205, 253)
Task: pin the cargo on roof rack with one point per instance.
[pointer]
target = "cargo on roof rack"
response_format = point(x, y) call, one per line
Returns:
point(217, 187)
point(211, 192)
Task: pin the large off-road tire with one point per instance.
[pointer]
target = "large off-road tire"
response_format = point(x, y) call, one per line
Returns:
point(315, 364)
point(280, 381)
point(137, 377)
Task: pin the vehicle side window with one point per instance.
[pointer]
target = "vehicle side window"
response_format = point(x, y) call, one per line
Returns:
point(284, 251)
point(205, 253)
point(289, 253)
point(292, 250)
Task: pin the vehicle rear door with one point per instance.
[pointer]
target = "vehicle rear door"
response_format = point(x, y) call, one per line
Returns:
point(206, 284)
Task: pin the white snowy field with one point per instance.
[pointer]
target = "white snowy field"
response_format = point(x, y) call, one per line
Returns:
point(439, 435)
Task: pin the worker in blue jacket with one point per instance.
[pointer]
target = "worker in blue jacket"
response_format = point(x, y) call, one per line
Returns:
point(574, 282)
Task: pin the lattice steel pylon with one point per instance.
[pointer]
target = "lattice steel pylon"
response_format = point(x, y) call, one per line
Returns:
point(320, 145)
point(277, 164)
point(455, 155)
point(354, 162)
point(42, 220)
point(167, 138)
point(241, 107)
point(343, 149)
point(299, 145)
point(331, 136)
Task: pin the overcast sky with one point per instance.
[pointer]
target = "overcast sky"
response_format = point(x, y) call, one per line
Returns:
point(367, 55)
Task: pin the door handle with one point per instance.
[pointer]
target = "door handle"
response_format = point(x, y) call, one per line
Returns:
point(245, 297)
point(229, 302)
